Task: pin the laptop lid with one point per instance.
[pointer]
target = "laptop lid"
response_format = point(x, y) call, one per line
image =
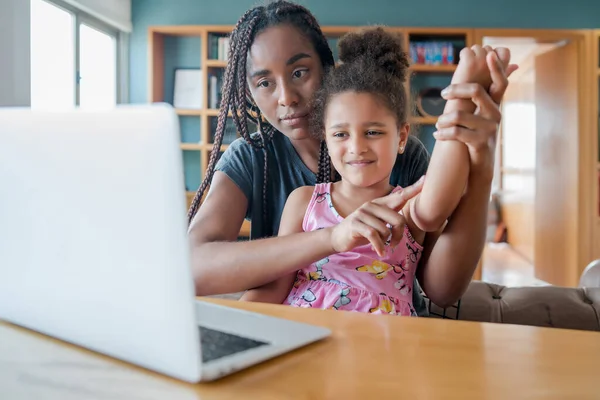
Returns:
point(93, 233)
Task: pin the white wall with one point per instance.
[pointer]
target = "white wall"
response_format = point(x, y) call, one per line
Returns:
point(14, 53)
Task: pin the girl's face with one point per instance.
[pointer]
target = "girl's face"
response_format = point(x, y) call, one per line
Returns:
point(363, 138)
point(283, 73)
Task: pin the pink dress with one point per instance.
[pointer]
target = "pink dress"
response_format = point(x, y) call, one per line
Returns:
point(357, 280)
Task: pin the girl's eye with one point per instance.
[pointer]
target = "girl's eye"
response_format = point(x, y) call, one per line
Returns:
point(373, 133)
point(263, 84)
point(339, 134)
point(299, 73)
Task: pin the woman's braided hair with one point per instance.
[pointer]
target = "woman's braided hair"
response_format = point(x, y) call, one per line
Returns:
point(241, 105)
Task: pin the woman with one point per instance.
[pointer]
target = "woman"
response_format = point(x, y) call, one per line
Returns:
point(277, 58)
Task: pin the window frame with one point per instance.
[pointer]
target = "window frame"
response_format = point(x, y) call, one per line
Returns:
point(80, 17)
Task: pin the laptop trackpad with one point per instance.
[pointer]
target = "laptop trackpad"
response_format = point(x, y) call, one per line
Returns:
point(216, 344)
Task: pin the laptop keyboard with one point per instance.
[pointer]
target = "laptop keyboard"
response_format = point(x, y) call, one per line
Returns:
point(217, 344)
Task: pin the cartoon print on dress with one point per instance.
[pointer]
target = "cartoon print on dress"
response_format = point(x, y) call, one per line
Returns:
point(385, 306)
point(343, 300)
point(401, 285)
point(321, 197)
point(338, 282)
point(400, 267)
point(307, 297)
point(318, 274)
point(412, 254)
point(377, 268)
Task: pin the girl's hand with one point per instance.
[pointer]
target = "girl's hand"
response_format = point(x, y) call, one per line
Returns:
point(369, 222)
point(472, 67)
point(478, 131)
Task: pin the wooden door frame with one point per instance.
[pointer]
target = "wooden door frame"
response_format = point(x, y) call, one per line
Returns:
point(587, 123)
point(595, 72)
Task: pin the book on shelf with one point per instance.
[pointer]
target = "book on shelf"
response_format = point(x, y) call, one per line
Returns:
point(432, 53)
point(219, 47)
point(215, 79)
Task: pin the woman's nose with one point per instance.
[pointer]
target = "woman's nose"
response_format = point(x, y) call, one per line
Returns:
point(288, 95)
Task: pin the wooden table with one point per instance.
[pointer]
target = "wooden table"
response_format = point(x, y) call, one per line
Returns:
point(367, 357)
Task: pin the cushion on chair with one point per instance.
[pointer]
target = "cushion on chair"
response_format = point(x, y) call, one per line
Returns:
point(546, 306)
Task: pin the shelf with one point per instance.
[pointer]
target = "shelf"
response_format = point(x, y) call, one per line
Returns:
point(423, 120)
point(189, 113)
point(178, 30)
point(209, 146)
point(191, 146)
point(432, 68)
point(216, 63)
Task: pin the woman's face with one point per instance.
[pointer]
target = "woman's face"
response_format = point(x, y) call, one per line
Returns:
point(283, 73)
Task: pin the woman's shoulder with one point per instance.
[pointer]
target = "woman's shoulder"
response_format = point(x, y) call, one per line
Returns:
point(415, 149)
point(241, 147)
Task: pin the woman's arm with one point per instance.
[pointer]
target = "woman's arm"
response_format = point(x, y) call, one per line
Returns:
point(448, 169)
point(220, 264)
point(291, 222)
point(451, 255)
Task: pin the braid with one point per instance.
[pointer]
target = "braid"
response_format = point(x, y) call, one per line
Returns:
point(228, 101)
point(236, 100)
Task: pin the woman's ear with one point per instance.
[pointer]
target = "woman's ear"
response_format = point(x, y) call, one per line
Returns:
point(403, 133)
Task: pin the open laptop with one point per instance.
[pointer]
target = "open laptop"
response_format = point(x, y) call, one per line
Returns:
point(94, 247)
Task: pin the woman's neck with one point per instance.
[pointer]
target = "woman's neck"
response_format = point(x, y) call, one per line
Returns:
point(350, 197)
point(308, 151)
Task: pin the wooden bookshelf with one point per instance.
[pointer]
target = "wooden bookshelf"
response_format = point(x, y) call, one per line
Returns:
point(192, 46)
point(433, 68)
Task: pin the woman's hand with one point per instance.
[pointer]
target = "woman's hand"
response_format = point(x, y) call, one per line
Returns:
point(478, 131)
point(369, 222)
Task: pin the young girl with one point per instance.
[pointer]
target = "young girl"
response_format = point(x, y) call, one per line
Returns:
point(277, 57)
point(361, 110)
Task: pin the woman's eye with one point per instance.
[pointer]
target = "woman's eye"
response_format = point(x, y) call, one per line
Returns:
point(339, 134)
point(299, 73)
point(263, 84)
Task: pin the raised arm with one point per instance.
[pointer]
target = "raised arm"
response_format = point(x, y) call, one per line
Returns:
point(448, 169)
point(291, 222)
point(450, 259)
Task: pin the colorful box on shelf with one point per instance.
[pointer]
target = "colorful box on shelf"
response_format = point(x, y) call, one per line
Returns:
point(432, 53)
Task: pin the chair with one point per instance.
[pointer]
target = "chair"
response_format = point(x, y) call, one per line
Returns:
point(591, 275)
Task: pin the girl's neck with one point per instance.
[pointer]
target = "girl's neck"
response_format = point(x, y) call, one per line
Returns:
point(350, 197)
point(308, 151)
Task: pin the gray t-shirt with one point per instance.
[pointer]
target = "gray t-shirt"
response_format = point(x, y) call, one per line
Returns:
point(244, 165)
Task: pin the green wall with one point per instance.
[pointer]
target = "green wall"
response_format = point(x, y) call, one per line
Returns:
point(436, 13)
point(462, 13)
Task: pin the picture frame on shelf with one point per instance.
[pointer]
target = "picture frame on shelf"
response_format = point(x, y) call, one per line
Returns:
point(188, 88)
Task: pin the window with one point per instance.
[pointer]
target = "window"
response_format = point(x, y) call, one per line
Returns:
point(74, 58)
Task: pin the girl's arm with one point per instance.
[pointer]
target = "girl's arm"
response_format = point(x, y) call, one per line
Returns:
point(220, 264)
point(448, 169)
point(291, 222)
point(451, 254)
